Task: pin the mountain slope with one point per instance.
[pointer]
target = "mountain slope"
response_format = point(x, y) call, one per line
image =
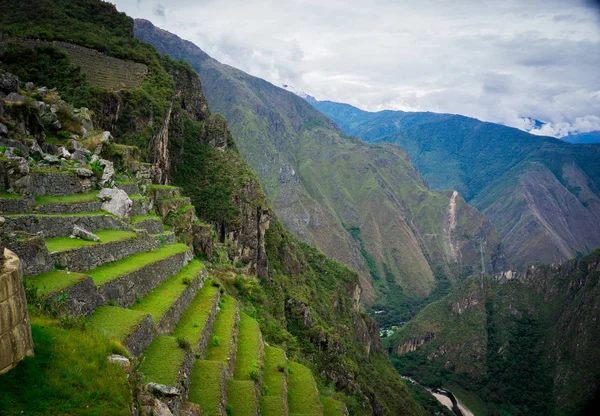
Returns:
point(525, 342)
point(542, 194)
point(582, 138)
point(364, 205)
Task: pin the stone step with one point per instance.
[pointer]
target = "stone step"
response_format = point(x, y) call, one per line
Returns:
point(151, 223)
point(168, 362)
point(130, 187)
point(196, 324)
point(168, 302)
point(167, 237)
point(141, 206)
point(14, 203)
point(223, 339)
point(121, 282)
point(133, 329)
point(172, 206)
point(68, 204)
point(57, 182)
point(79, 255)
point(241, 398)
point(273, 401)
point(333, 407)
point(208, 387)
point(303, 395)
point(61, 225)
point(157, 192)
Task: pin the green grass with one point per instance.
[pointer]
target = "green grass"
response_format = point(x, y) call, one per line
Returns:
point(470, 400)
point(114, 322)
point(247, 360)
point(273, 376)
point(67, 199)
point(106, 236)
point(194, 319)
point(162, 361)
point(69, 375)
point(137, 196)
point(302, 390)
point(222, 331)
point(160, 299)
point(9, 195)
point(54, 281)
point(241, 398)
point(73, 214)
point(272, 406)
point(140, 218)
point(205, 388)
point(331, 407)
point(111, 271)
point(156, 186)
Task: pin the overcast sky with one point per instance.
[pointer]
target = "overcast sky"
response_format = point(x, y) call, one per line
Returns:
point(500, 60)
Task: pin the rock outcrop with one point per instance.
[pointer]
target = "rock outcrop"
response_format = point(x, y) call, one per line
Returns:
point(15, 330)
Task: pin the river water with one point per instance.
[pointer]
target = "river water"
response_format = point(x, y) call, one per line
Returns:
point(447, 399)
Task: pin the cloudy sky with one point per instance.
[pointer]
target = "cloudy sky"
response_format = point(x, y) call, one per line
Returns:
point(502, 61)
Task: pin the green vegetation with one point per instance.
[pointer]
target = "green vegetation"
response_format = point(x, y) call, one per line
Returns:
point(331, 407)
point(275, 370)
point(106, 236)
point(9, 195)
point(160, 299)
point(472, 401)
point(54, 281)
point(241, 398)
point(206, 381)
point(63, 376)
point(192, 323)
point(162, 361)
point(140, 218)
point(247, 359)
point(67, 199)
point(302, 391)
point(272, 405)
point(111, 271)
point(223, 331)
point(114, 322)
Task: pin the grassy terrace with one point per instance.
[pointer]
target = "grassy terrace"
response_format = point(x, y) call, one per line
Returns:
point(114, 322)
point(192, 323)
point(331, 407)
point(247, 360)
point(67, 199)
point(111, 271)
point(241, 398)
point(273, 400)
point(205, 388)
point(220, 339)
point(106, 236)
point(160, 299)
point(302, 391)
point(74, 214)
point(55, 281)
point(162, 361)
point(140, 218)
point(8, 195)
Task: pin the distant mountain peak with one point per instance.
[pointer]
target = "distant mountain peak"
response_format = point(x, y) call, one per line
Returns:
point(296, 91)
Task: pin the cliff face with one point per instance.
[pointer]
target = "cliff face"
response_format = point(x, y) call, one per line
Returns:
point(366, 206)
point(543, 316)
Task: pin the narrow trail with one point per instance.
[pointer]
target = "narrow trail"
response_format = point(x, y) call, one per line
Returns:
point(449, 226)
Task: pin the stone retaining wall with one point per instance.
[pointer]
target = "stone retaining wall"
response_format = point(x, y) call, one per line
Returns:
point(70, 208)
point(62, 226)
point(141, 338)
point(15, 329)
point(60, 183)
point(171, 317)
point(15, 205)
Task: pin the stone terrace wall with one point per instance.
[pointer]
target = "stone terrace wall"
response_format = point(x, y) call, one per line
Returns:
point(15, 329)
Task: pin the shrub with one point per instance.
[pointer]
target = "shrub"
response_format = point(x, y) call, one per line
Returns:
point(254, 375)
point(216, 341)
point(184, 343)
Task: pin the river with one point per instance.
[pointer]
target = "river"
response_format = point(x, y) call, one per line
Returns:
point(446, 398)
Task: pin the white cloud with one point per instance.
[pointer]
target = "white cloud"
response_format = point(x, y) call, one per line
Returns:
point(498, 61)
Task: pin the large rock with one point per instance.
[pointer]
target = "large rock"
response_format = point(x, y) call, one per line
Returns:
point(8, 82)
point(84, 234)
point(108, 175)
point(14, 99)
point(116, 202)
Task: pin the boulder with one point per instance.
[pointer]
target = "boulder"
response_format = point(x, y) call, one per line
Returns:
point(116, 202)
point(64, 152)
point(17, 162)
point(75, 143)
point(84, 172)
point(163, 390)
point(29, 86)
point(3, 130)
point(106, 137)
point(51, 159)
point(14, 99)
point(42, 91)
point(8, 82)
point(108, 176)
point(84, 234)
point(119, 359)
point(79, 156)
point(36, 150)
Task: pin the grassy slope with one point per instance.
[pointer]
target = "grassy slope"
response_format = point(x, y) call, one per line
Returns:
point(247, 359)
point(62, 377)
point(194, 319)
point(162, 361)
point(219, 344)
point(205, 388)
point(105, 236)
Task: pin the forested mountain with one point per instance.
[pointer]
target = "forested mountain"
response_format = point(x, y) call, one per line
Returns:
point(364, 205)
point(542, 194)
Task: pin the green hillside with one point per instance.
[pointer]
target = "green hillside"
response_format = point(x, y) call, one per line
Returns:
point(541, 194)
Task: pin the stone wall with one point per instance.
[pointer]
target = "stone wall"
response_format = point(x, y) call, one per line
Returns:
point(15, 330)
